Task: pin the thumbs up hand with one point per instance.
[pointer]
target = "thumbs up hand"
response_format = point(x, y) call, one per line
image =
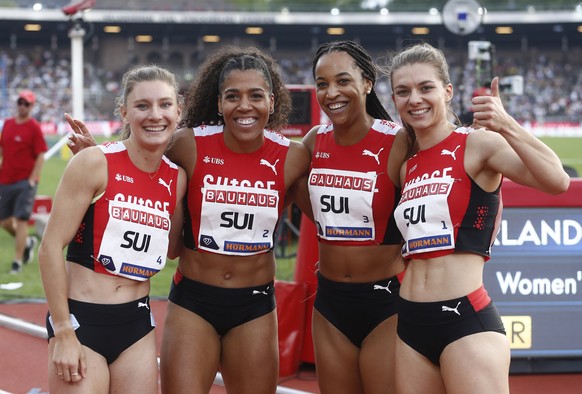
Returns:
point(489, 113)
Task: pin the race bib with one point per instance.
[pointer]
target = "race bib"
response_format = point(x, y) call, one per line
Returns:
point(238, 220)
point(424, 218)
point(342, 204)
point(135, 240)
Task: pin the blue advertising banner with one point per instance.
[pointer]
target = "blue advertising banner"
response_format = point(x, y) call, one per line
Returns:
point(535, 279)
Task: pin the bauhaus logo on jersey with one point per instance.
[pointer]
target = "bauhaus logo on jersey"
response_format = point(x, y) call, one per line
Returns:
point(240, 198)
point(140, 217)
point(341, 182)
point(432, 189)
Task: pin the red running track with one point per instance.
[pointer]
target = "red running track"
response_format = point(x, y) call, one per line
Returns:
point(23, 360)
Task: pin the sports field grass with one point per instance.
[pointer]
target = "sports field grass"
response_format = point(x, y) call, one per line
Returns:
point(568, 149)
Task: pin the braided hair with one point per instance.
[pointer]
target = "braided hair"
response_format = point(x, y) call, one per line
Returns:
point(364, 62)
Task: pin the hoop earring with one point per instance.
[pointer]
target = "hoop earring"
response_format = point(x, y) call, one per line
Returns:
point(220, 114)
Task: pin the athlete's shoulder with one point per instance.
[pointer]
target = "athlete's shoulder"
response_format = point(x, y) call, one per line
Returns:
point(386, 126)
point(182, 148)
point(299, 151)
point(207, 130)
point(465, 130)
point(112, 147)
point(324, 128)
point(90, 160)
point(276, 137)
point(169, 162)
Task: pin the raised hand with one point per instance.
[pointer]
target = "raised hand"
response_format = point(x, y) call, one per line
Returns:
point(81, 137)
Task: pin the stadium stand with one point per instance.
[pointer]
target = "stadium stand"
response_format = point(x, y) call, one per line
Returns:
point(41, 62)
point(553, 91)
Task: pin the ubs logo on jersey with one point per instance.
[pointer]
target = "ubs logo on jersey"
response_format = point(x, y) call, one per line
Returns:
point(213, 160)
point(123, 178)
point(322, 155)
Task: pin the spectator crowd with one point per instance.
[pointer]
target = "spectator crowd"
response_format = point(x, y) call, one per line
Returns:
point(552, 83)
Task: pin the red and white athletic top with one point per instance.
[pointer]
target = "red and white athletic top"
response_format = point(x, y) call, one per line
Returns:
point(352, 196)
point(125, 230)
point(442, 210)
point(235, 199)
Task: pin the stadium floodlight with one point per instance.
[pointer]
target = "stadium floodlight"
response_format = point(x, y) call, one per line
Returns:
point(462, 16)
point(76, 6)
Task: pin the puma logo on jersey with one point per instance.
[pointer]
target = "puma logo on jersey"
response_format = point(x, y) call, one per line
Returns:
point(166, 185)
point(387, 287)
point(143, 304)
point(255, 292)
point(449, 309)
point(271, 166)
point(448, 152)
point(366, 152)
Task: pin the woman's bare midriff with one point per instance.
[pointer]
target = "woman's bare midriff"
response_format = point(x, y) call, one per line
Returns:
point(359, 264)
point(442, 278)
point(90, 286)
point(227, 271)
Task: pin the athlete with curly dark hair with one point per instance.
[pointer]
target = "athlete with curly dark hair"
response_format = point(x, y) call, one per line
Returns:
point(221, 312)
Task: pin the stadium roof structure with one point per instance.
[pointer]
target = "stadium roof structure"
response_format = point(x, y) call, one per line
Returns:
point(296, 5)
point(298, 29)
